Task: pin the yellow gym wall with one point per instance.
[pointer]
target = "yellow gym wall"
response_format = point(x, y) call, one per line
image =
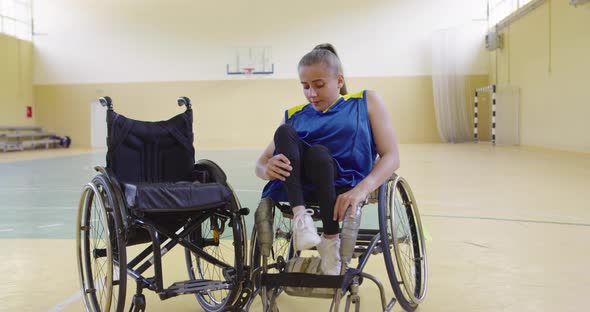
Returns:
point(233, 113)
point(547, 55)
point(16, 82)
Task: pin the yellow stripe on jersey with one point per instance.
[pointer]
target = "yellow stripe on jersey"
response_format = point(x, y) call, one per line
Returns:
point(294, 110)
point(358, 95)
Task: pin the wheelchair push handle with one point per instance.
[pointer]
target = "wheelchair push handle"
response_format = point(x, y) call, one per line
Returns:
point(106, 101)
point(185, 101)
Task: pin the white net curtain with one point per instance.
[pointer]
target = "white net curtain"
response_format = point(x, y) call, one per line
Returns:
point(448, 85)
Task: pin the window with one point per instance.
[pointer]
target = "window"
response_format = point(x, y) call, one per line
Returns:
point(16, 19)
point(499, 9)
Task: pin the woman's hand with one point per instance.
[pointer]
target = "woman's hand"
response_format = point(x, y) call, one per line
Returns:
point(278, 167)
point(351, 198)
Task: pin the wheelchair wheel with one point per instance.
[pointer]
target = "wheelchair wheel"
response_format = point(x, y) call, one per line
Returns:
point(223, 237)
point(402, 242)
point(102, 258)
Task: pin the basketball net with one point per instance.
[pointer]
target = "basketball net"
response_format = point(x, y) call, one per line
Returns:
point(248, 72)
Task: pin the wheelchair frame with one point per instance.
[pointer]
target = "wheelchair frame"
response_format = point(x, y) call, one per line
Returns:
point(408, 280)
point(102, 206)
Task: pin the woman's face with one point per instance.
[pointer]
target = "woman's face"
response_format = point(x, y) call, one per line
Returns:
point(320, 86)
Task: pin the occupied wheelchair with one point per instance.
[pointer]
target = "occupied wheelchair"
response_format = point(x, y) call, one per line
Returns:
point(277, 268)
point(152, 191)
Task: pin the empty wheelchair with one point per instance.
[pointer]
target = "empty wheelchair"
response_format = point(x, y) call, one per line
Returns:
point(152, 191)
point(277, 268)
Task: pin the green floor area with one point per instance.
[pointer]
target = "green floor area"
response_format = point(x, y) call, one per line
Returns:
point(39, 198)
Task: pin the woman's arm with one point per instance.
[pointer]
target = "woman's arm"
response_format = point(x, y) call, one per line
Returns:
point(260, 169)
point(269, 167)
point(388, 150)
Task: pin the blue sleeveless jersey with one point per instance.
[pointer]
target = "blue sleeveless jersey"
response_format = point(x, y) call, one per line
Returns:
point(344, 128)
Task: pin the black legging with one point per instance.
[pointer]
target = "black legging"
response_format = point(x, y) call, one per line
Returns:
point(314, 164)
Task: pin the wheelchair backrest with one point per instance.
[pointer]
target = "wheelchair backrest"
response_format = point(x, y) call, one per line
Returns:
point(143, 151)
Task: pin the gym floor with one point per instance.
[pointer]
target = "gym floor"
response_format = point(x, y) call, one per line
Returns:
point(507, 228)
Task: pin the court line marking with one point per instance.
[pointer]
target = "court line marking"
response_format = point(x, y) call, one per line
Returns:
point(49, 225)
point(61, 306)
point(39, 189)
point(72, 207)
point(73, 298)
point(471, 206)
point(248, 191)
point(506, 220)
point(65, 207)
point(430, 202)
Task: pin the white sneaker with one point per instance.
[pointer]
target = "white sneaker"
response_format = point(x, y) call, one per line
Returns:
point(329, 249)
point(305, 234)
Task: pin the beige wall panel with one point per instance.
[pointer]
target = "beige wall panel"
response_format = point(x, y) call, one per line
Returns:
point(546, 56)
point(16, 91)
point(410, 103)
point(233, 113)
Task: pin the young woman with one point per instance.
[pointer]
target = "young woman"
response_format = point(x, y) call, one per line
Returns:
point(325, 151)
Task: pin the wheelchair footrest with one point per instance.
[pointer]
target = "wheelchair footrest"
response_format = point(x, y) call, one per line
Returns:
point(192, 287)
point(295, 279)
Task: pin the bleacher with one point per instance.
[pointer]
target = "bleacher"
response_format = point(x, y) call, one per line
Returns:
point(18, 138)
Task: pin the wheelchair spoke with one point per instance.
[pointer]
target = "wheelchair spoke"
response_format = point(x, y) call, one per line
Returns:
point(216, 239)
point(401, 219)
point(99, 249)
point(403, 245)
point(99, 257)
point(409, 266)
point(282, 238)
point(406, 249)
point(115, 293)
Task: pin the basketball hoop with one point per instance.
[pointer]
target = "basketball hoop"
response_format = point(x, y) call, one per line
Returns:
point(248, 71)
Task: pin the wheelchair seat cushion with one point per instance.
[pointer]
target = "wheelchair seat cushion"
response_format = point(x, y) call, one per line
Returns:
point(176, 197)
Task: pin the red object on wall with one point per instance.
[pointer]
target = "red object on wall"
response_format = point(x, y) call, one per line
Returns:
point(29, 111)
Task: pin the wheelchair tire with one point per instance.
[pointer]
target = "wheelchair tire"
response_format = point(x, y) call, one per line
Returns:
point(102, 257)
point(402, 242)
point(226, 237)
